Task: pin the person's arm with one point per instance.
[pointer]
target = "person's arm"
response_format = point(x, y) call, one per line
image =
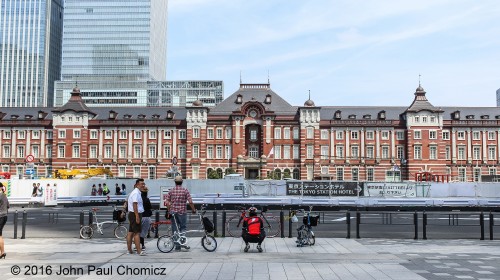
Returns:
point(136, 212)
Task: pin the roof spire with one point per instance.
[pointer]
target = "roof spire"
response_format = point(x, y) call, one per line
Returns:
point(240, 78)
point(268, 77)
point(419, 79)
point(309, 94)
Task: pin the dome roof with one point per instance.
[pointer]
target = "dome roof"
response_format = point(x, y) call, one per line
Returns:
point(76, 91)
point(309, 103)
point(197, 103)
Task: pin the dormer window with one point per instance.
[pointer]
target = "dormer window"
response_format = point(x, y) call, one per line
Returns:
point(156, 116)
point(268, 99)
point(239, 99)
point(141, 116)
point(28, 117)
point(112, 115)
point(127, 116)
point(338, 115)
point(367, 116)
point(485, 117)
point(456, 115)
point(170, 115)
point(41, 115)
point(352, 116)
point(469, 117)
point(497, 117)
point(14, 117)
point(381, 115)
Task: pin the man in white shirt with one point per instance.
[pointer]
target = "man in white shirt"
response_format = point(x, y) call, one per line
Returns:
point(135, 210)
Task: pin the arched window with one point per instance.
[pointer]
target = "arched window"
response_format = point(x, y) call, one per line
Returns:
point(277, 174)
point(219, 172)
point(286, 173)
point(296, 174)
point(209, 171)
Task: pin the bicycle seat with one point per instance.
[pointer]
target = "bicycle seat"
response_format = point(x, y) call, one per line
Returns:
point(95, 209)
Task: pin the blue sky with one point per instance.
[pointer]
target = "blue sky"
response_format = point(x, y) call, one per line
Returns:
point(347, 53)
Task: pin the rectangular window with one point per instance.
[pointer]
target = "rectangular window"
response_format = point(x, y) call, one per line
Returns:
point(324, 134)
point(296, 133)
point(151, 172)
point(122, 171)
point(253, 134)
point(447, 153)
point(417, 152)
point(476, 152)
point(325, 152)
point(182, 134)
point(286, 133)
point(424, 119)
point(122, 150)
point(196, 151)
point(6, 151)
point(476, 135)
point(35, 151)
point(369, 152)
point(370, 174)
point(354, 152)
point(137, 151)
point(48, 150)
point(400, 151)
point(461, 135)
point(417, 119)
point(7, 135)
point(369, 135)
point(309, 151)
point(50, 134)
point(354, 135)
point(432, 134)
point(123, 134)
point(433, 119)
point(167, 134)
point(137, 134)
point(385, 152)
point(196, 132)
point(167, 151)
point(61, 151)
point(296, 151)
point(492, 171)
point(324, 169)
point(93, 134)
point(219, 133)
point(340, 173)
point(152, 151)
point(92, 151)
point(182, 151)
point(108, 151)
point(477, 174)
point(286, 152)
point(218, 151)
point(491, 135)
point(108, 134)
point(417, 134)
point(400, 135)
point(492, 152)
point(36, 134)
point(20, 151)
point(339, 152)
point(152, 134)
point(76, 151)
point(229, 132)
point(461, 152)
point(76, 133)
point(355, 174)
point(310, 132)
point(210, 152)
point(137, 171)
point(385, 135)
point(21, 134)
point(277, 152)
point(62, 133)
point(432, 152)
point(228, 151)
point(339, 135)
point(277, 133)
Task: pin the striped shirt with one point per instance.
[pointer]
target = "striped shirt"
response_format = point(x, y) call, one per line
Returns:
point(178, 196)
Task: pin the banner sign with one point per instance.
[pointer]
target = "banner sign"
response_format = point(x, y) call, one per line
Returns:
point(51, 195)
point(163, 196)
point(322, 188)
point(389, 189)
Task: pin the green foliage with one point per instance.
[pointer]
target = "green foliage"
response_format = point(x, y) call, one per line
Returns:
point(230, 171)
point(212, 174)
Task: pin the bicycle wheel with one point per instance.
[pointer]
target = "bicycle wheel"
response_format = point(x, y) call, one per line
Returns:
point(271, 226)
point(233, 226)
point(311, 238)
point(86, 232)
point(165, 243)
point(209, 243)
point(121, 231)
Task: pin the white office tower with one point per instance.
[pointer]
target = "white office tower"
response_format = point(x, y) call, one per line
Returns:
point(498, 97)
point(30, 51)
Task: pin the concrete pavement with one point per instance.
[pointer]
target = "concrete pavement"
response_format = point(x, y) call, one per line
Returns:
point(330, 258)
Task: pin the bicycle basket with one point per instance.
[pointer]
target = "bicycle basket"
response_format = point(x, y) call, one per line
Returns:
point(314, 220)
point(208, 225)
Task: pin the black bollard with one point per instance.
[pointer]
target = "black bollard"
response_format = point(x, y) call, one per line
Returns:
point(290, 224)
point(481, 224)
point(82, 220)
point(15, 225)
point(358, 221)
point(424, 226)
point(492, 224)
point(91, 218)
point(23, 229)
point(214, 217)
point(348, 222)
point(282, 223)
point(415, 222)
point(224, 223)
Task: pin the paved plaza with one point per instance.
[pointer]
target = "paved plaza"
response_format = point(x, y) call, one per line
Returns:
point(330, 258)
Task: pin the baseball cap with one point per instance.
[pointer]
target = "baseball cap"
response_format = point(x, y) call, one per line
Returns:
point(178, 179)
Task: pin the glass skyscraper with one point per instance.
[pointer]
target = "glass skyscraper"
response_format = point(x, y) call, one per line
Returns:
point(30, 51)
point(113, 40)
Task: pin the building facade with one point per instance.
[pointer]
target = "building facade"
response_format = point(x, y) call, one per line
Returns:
point(30, 51)
point(257, 133)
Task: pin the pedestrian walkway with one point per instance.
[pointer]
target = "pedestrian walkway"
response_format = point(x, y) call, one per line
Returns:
point(330, 258)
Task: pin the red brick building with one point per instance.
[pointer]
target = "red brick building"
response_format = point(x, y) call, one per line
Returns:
point(257, 133)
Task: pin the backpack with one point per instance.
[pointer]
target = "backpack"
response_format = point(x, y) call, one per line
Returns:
point(208, 225)
point(253, 225)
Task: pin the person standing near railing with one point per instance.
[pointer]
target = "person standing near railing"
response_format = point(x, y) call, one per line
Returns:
point(176, 205)
point(135, 209)
point(146, 215)
point(4, 206)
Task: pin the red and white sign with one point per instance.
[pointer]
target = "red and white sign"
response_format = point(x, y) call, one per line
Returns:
point(30, 158)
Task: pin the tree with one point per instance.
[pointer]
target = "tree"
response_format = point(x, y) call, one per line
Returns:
point(212, 174)
point(230, 171)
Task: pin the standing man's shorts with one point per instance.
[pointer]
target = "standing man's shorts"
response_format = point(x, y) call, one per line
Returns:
point(134, 227)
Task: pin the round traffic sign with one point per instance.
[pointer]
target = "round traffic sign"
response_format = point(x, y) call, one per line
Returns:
point(30, 158)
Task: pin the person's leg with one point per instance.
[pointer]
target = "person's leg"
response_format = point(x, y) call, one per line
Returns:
point(130, 231)
point(3, 221)
point(183, 225)
point(175, 227)
point(246, 238)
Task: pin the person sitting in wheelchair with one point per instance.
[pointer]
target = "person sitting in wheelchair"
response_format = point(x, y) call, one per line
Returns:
point(253, 230)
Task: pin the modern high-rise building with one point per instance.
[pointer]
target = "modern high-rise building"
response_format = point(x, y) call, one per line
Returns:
point(30, 51)
point(498, 97)
point(114, 40)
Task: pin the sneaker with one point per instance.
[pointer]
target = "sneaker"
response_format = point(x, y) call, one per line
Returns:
point(142, 253)
point(130, 253)
point(247, 247)
point(186, 247)
point(143, 247)
point(178, 249)
point(259, 248)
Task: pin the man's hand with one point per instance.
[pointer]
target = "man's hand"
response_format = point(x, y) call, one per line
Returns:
point(137, 220)
point(193, 211)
